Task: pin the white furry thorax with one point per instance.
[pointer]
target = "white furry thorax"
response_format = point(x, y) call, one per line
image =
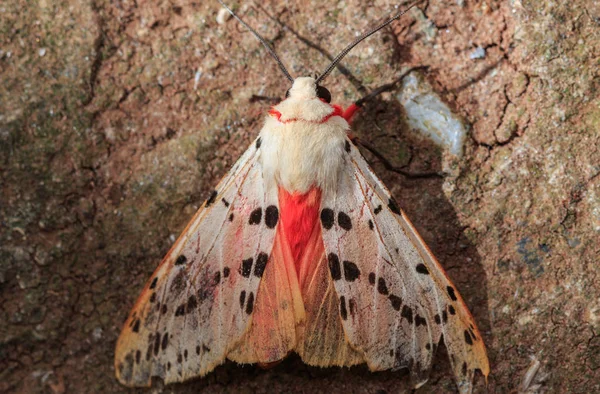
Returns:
point(300, 150)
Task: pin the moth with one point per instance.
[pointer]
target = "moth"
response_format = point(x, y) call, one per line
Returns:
point(300, 248)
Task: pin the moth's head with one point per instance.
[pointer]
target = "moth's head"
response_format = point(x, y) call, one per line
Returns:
point(306, 88)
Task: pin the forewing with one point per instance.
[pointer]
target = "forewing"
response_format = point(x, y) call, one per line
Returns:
point(199, 302)
point(395, 300)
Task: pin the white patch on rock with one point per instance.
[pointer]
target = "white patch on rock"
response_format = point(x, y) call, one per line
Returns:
point(428, 114)
point(478, 53)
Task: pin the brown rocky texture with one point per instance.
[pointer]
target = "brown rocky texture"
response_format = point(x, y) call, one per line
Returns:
point(108, 144)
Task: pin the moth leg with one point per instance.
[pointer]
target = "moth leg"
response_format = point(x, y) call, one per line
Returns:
point(390, 167)
point(387, 87)
point(256, 98)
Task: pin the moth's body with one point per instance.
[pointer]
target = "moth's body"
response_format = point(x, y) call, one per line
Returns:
point(300, 248)
point(303, 145)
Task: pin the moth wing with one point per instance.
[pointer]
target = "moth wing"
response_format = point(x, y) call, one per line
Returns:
point(198, 304)
point(322, 341)
point(395, 300)
point(278, 310)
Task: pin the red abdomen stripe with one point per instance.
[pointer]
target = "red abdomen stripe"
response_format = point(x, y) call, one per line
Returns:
point(299, 214)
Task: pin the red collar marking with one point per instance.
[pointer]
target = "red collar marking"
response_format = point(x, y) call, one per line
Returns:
point(337, 111)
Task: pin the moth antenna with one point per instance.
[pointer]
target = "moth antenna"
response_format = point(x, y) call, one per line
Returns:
point(354, 43)
point(264, 42)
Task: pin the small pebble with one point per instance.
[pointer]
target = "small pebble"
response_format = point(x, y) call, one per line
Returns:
point(478, 53)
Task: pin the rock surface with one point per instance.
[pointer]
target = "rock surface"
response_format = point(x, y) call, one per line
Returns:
point(117, 117)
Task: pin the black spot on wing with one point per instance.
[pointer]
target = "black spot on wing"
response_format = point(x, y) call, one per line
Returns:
point(271, 216)
point(154, 282)
point(422, 269)
point(334, 266)
point(217, 278)
point(451, 293)
point(258, 142)
point(407, 313)
point(451, 310)
point(351, 271)
point(468, 338)
point(371, 225)
point(165, 341)
point(420, 321)
point(226, 272)
point(178, 283)
point(246, 267)
point(136, 326)
point(231, 217)
point(149, 351)
point(211, 199)
point(153, 297)
point(255, 216)
point(192, 303)
point(396, 301)
point(393, 206)
point(181, 260)
point(250, 304)
point(343, 310)
point(327, 218)
point(225, 202)
point(180, 311)
point(372, 278)
point(347, 146)
point(261, 264)
point(352, 306)
point(382, 287)
point(344, 221)
point(242, 298)
point(204, 293)
point(156, 343)
point(377, 209)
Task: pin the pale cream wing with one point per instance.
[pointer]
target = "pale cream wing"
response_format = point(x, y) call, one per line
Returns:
point(395, 300)
point(199, 302)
